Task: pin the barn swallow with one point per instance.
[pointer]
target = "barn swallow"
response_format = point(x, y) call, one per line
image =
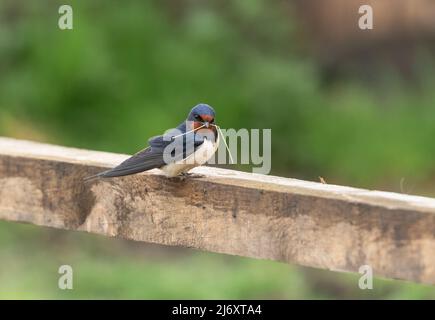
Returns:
point(198, 131)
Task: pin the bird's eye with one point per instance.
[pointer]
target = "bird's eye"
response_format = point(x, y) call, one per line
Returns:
point(198, 117)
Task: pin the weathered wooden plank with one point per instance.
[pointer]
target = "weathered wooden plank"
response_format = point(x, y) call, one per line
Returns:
point(311, 224)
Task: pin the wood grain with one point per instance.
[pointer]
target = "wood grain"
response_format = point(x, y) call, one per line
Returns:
point(311, 224)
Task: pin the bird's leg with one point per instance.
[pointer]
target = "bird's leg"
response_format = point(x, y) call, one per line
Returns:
point(181, 176)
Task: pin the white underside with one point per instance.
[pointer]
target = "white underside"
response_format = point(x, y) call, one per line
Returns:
point(201, 155)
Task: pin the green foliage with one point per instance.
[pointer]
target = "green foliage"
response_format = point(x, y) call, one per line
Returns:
point(126, 73)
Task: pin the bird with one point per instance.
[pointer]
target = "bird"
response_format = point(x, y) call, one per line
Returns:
point(196, 138)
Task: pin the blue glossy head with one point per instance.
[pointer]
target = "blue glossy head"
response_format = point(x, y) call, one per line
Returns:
point(202, 113)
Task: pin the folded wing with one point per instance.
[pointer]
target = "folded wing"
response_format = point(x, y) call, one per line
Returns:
point(150, 158)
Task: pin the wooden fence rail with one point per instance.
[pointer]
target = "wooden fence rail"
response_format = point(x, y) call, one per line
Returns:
point(311, 224)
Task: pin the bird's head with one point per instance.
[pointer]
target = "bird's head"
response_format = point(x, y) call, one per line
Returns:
point(202, 115)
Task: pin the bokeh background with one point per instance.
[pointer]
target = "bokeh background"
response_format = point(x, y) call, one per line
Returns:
point(354, 107)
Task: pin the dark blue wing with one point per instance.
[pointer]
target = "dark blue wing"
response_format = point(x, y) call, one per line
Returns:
point(146, 159)
point(153, 156)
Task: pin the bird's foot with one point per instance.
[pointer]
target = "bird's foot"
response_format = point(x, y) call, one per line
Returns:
point(184, 175)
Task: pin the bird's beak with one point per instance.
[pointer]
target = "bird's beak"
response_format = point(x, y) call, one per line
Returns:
point(207, 124)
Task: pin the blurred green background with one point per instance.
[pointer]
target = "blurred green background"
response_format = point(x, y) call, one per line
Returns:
point(354, 107)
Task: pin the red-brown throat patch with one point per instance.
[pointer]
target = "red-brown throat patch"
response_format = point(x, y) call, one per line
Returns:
point(206, 117)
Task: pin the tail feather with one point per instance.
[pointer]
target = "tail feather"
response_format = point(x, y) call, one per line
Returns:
point(142, 161)
point(94, 177)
